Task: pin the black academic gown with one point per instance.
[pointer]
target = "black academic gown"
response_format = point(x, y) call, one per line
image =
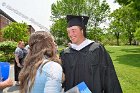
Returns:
point(93, 65)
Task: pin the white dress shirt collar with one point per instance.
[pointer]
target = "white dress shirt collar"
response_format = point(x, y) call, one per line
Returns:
point(85, 43)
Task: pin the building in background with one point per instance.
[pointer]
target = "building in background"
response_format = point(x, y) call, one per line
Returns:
point(5, 20)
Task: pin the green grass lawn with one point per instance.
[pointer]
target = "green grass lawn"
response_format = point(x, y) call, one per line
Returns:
point(126, 60)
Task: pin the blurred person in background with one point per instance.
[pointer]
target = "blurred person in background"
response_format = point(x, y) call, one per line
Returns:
point(20, 54)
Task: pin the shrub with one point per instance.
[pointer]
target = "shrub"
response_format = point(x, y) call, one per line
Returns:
point(7, 47)
point(2, 57)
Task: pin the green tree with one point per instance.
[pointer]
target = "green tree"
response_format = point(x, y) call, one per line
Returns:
point(116, 30)
point(131, 3)
point(124, 20)
point(95, 33)
point(116, 25)
point(95, 9)
point(135, 4)
point(98, 12)
point(58, 30)
point(137, 34)
point(6, 49)
point(16, 32)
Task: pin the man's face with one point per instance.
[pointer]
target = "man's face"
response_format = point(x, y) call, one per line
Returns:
point(22, 45)
point(75, 34)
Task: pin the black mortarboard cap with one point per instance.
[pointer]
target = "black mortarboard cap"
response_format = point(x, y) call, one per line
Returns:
point(81, 21)
point(73, 20)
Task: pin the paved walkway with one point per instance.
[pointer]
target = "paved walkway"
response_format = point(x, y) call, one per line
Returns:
point(13, 89)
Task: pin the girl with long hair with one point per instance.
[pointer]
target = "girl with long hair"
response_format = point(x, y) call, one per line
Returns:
point(42, 71)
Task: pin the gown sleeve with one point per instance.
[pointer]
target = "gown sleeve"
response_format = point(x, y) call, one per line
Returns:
point(63, 65)
point(110, 81)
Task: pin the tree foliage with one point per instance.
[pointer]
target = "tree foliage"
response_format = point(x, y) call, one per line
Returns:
point(59, 31)
point(135, 5)
point(137, 34)
point(16, 32)
point(124, 21)
point(7, 47)
point(131, 3)
point(95, 9)
point(116, 29)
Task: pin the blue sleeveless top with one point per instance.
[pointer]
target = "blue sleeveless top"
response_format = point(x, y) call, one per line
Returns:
point(49, 79)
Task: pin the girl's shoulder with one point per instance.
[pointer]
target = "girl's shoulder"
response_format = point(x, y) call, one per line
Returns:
point(51, 66)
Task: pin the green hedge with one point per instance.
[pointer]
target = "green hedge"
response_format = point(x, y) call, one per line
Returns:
point(7, 49)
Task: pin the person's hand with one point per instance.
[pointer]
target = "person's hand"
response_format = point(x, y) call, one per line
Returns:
point(19, 65)
point(8, 82)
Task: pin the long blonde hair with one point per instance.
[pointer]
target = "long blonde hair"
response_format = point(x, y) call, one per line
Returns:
point(41, 43)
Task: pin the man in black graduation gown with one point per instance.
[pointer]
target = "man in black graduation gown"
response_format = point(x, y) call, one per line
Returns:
point(87, 61)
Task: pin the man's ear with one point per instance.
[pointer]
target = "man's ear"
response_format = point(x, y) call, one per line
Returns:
point(82, 31)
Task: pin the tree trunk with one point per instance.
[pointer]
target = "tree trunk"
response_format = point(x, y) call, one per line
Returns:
point(117, 37)
point(130, 41)
point(118, 43)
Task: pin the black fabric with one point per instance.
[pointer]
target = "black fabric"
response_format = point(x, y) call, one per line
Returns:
point(17, 69)
point(73, 20)
point(21, 61)
point(1, 91)
point(92, 65)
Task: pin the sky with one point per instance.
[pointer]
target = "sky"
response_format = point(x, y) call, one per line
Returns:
point(35, 12)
